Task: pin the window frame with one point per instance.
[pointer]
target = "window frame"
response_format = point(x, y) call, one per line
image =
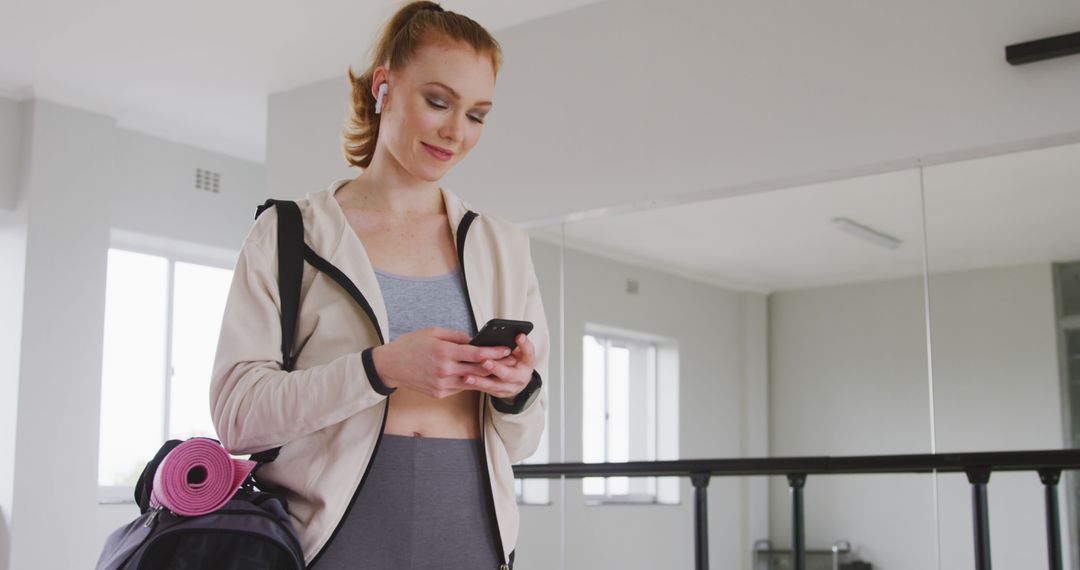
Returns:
point(651, 346)
point(173, 251)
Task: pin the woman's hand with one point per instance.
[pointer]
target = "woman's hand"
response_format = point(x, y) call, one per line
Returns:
point(507, 377)
point(434, 361)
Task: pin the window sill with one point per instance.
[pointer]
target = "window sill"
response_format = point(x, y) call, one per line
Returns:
point(595, 501)
point(116, 501)
point(116, 495)
point(547, 504)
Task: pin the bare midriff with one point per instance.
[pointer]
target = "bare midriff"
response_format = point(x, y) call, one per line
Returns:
point(419, 415)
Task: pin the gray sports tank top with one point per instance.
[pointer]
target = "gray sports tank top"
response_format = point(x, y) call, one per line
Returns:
point(414, 303)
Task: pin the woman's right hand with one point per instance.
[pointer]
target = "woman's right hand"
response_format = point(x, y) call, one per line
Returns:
point(433, 361)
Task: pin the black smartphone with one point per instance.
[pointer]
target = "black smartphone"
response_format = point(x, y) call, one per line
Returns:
point(501, 332)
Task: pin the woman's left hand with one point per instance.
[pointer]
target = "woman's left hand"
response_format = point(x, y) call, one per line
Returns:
point(509, 375)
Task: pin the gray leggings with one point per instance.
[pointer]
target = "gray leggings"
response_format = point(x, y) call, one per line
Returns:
point(423, 505)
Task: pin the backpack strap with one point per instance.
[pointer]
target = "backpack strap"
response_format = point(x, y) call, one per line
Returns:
point(290, 247)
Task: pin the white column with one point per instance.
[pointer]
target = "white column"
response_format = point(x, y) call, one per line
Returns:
point(61, 224)
point(13, 262)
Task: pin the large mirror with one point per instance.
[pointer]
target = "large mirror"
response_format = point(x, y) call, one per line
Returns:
point(779, 323)
point(541, 500)
point(1003, 245)
point(927, 310)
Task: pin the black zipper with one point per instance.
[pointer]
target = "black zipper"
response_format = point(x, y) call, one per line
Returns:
point(152, 523)
point(344, 517)
point(345, 283)
point(490, 495)
point(463, 230)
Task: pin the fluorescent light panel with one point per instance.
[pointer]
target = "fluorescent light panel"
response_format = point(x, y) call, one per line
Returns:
point(866, 233)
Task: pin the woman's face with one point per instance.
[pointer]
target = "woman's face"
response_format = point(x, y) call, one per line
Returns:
point(434, 110)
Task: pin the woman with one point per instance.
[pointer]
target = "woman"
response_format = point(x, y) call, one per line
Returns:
point(394, 454)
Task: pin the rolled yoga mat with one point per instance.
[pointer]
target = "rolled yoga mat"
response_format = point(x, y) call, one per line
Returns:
point(198, 477)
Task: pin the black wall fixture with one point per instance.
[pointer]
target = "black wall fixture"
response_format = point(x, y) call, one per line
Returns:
point(1047, 48)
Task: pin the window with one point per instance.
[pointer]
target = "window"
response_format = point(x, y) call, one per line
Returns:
point(162, 320)
point(626, 415)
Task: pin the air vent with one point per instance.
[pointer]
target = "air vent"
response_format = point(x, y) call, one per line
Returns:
point(207, 180)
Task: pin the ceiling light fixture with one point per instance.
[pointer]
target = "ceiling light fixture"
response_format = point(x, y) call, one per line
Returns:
point(867, 233)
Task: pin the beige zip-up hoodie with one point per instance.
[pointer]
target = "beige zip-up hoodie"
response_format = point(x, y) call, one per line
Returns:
point(328, 414)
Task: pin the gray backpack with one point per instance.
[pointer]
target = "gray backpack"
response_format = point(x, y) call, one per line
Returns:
point(253, 529)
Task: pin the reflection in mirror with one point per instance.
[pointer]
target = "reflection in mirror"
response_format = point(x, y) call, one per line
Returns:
point(782, 323)
point(536, 497)
point(1002, 251)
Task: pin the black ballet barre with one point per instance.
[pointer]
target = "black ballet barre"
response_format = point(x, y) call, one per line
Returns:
point(978, 466)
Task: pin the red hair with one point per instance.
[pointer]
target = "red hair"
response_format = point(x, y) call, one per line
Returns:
point(413, 26)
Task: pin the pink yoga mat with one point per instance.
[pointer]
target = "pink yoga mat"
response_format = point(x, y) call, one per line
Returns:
point(198, 477)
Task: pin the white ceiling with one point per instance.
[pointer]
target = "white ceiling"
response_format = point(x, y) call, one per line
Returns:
point(199, 72)
point(995, 211)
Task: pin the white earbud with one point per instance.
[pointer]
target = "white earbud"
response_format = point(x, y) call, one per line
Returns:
point(378, 100)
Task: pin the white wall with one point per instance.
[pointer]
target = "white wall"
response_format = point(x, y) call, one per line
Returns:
point(849, 376)
point(11, 131)
point(13, 226)
point(55, 466)
point(83, 178)
point(997, 386)
point(12, 256)
point(303, 142)
point(13, 259)
point(155, 192)
point(721, 341)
